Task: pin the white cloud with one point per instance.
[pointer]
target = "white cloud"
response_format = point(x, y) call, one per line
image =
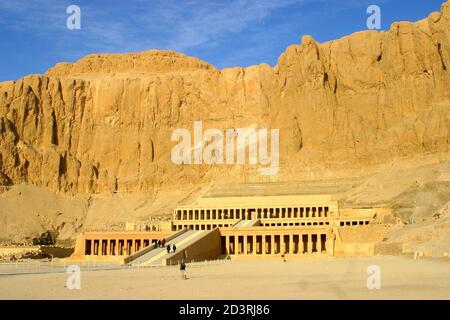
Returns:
point(141, 25)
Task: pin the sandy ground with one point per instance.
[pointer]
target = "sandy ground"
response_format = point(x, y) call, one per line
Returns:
point(401, 278)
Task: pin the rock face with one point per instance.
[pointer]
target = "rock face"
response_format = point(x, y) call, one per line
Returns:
point(103, 124)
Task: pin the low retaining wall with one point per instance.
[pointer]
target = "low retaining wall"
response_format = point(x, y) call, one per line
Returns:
point(386, 249)
point(354, 249)
point(17, 250)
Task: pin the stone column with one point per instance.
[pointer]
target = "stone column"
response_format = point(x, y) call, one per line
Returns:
point(282, 244)
point(272, 244)
point(245, 245)
point(300, 244)
point(263, 244)
point(319, 243)
point(92, 247)
point(236, 245)
point(309, 243)
point(254, 251)
point(227, 244)
point(291, 243)
point(107, 247)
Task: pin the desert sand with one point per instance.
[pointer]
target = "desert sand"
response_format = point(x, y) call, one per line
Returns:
point(401, 278)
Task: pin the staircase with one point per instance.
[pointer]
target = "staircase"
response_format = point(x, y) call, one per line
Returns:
point(155, 256)
point(247, 223)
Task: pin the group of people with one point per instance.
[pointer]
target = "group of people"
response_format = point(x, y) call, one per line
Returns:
point(174, 248)
point(162, 244)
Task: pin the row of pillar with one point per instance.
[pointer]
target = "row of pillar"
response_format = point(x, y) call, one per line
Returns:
point(304, 244)
point(115, 247)
point(213, 214)
point(201, 226)
point(248, 214)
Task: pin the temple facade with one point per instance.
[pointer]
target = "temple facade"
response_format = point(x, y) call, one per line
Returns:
point(269, 225)
point(248, 227)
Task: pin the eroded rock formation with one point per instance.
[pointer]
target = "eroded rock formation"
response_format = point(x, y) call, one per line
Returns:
point(103, 123)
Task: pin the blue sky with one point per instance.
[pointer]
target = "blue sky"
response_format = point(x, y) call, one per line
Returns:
point(34, 36)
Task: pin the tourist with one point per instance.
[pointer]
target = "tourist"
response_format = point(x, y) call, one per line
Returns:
point(183, 269)
point(174, 248)
point(168, 248)
point(163, 242)
point(159, 243)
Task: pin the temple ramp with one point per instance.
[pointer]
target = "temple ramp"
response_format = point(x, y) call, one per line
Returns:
point(206, 247)
point(156, 256)
point(247, 223)
point(149, 251)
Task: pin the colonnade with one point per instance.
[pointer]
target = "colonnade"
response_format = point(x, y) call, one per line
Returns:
point(115, 247)
point(264, 244)
point(252, 213)
point(201, 226)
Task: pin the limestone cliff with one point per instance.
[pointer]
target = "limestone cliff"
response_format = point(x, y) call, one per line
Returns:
point(103, 124)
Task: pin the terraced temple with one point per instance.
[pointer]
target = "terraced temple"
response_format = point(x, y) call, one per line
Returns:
point(213, 227)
